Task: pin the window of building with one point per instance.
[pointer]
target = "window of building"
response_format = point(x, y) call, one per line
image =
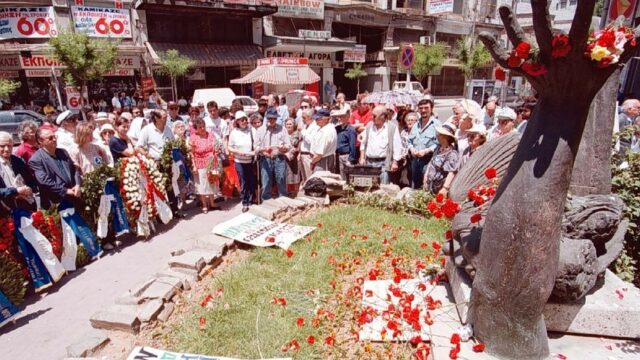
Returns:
point(199, 29)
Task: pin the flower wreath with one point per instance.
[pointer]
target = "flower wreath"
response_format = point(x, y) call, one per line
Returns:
point(131, 168)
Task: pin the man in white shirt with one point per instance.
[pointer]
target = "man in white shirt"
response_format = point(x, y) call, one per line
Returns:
point(115, 102)
point(137, 124)
point(324, 143)
point(66, 122)
point(214, 123)
point(308, 128)
point(155, 135)
point(381, 144)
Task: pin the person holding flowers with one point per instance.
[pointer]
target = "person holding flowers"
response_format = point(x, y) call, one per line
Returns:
point(205, 147)
point(87, 156)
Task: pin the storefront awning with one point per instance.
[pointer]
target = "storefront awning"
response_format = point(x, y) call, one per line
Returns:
point(210, 55)
point(280, 71)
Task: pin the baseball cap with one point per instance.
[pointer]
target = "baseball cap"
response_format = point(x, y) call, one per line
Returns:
point(321, 113)
point(63, 116)
point(271, 113)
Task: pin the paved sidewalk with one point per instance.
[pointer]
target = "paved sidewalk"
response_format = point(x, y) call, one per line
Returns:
point(48, 324)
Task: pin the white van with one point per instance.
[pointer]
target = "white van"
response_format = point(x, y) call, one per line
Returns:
point(415, 88)
point(222, 96)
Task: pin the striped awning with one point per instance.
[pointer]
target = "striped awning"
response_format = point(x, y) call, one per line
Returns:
point(278, 74)
point(210, 55)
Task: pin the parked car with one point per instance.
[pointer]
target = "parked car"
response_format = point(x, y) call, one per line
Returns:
point(248, 104)
point(416, 87)
point(294, 97)
point(11, 119)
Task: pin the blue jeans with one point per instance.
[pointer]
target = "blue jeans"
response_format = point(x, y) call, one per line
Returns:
point(273, 168)
point(418, 166)
point(382, 164)
point(247, 175)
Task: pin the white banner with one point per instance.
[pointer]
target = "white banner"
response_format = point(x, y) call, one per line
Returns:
point(102, 22)
point(358, 54)
point(149, 353)
point(303, 9)
point(41, 73)
point(256, 231)
point(440, 7)
point(33, 22)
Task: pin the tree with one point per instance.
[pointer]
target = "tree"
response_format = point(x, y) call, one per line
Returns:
point(355, 73)
point(173, 65)
point(472, 56)
point(519, 249)
point(7, 87)
point(85, 58)
point(429, 58)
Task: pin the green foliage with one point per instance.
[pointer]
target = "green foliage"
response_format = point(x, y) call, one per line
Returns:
point(7, 87)
point(597, 10)
point(472, 56)
point(625, 182)
point(429, 58)
point(416, 205)
point(12, 282)
point(86, 58)
point(166, 161)
point(173, 64)
point(92, 188)
point(624, 267)
point(355, 73)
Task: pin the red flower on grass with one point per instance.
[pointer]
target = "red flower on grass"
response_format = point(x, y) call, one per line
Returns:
point(560, 46)
point(289, 253)
point(279, 301)
point(300, 322)
point(329, 340)
point(522, 50)
point(202, 322)
point(500, 74)
point(311, 340)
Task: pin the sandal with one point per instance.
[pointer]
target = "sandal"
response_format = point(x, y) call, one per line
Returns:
point(205, 210)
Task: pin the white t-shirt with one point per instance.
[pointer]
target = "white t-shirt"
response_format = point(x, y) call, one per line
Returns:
point(115, 102)
point(217, 126)
point(66, 140)
point(153, 140)
point(137, 124)
point(241, 140)
point(308, 134)
point(325, 141)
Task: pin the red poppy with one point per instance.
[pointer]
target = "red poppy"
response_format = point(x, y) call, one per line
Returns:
point(436, 245)
point(490, 173)
point(314, 253)
point(319, 225)
point(415, 340)
point(311, 340)
point(513, 61)
point(534, 69)
point(300, 322)
point(448, 235)
point(329, 340)
point(453, 354)
point(203, 322)
point(416, 232)
point(560, 46)
point(479, 347)
point(455, 338)
point(500, 74)
point(294, 345)
point(475, 218)
point(279, 301)
point(289, 253)
point(522, 50)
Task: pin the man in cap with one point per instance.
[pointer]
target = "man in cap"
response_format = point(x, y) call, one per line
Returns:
point(272, 142)
point(506, 118)
point(422, 142)
point(66, 122)
point(100, 119)
point(324, 143)
point(346, 143)
point(381, 144)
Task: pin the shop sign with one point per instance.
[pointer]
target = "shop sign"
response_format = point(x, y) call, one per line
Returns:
point(362, 17)
point(314, 34)
point(8, 74)
point(440, 7)
point(316, 60)
point(32, 22)
point(46, 62)
point(9, 62)
point(41, 73)
point(102, 22)
point(147, 85)
point(302, 9)
point(73, 98)
point(119, 72)
point(357, 54)
point(292, 74)
point(283, 61)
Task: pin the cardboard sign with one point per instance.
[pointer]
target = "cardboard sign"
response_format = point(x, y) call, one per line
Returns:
point(73, 98)
point(256, 231)
point(102, 22)
point(149, 353)
point(31, 23)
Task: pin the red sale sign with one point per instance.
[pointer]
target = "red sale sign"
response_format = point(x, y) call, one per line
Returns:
point(102, 22)
point(36, 22)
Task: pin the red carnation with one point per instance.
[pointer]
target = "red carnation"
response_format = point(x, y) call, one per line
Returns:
point(475, 218)
point(500, 74)
point(490, 173)
point(607, 39)
point(560, 46)
point(514, 61)
point(522, 50)
point(534, 69)
point(479, 347)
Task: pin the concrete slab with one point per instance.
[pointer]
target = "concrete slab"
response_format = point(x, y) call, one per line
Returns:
point(88, 344)
point(263, 211)
point(460, 288)
point(208, 255)
point(293, 203)
point(163, 288)
point(188, 260)
point(117, 317)
point(150, 310)
point(166, 312)
point(213, 242)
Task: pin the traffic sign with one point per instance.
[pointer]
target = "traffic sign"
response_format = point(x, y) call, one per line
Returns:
point(407, 56)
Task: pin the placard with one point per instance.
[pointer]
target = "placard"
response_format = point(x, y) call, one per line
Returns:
point(45, 62)
point(102, 22)
point(256, 231)
point(73, 98)
point(31, 23)
point(314, 34)
point(302, 9)
point(9, 62)
point(119, 72)
point(358, 54)
point(440, 7)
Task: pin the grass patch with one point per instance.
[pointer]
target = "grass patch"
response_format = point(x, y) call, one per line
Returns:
point(244, 322)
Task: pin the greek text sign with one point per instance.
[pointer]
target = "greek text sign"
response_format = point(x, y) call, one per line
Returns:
point(33, 22)
point(317, 60)
point(313, 34)
point(307, 9)
point(46, 62)
point(440, 7)
point(9, 62)
point(102, 22)
point(357, 54)
point(253, 230)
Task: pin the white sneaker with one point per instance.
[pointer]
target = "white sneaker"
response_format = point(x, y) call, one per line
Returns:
point(117, 243)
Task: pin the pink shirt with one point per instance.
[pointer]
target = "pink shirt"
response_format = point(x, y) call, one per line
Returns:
point(26, 151)
point(202, 149)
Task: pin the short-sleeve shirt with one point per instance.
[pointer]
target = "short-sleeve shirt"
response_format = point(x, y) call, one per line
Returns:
point(421, 138)
point(117, 147)
point(325, 141)
point(202, 149)
point(153, 139)
point(441, 164)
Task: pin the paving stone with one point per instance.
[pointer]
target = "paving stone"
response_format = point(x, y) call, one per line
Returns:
point(163, 288)
point(460, 287)
point(208, 255)
point(264, 211)
point(150, 310)
point(212, 242)
point(117, 317)
point(177, 252)
point(166, 312)
point(293, 203)
point(188, 260)
point(277, 203)
point(137, 290)
point(127, 299)
point(88, 344)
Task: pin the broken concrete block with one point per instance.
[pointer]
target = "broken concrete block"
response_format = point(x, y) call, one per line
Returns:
point(117, 317)
point(150, 310)
point(208, 255)
point(88, 344)
point(212, 242)
point(263, 211)
point(163, 288)
point(188, 260)
point(166, 312)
